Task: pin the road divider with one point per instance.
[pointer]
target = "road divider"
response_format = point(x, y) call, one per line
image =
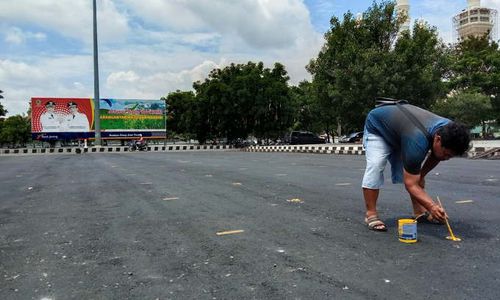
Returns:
point(112, 149)
point(323, 149)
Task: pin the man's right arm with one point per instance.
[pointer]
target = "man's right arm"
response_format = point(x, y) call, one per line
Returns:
point(412, 185)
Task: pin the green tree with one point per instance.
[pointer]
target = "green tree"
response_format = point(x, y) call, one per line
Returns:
point(475, 67)
point(244, 99)
point(3, 111)
point(468, 108)
point(363, 59)
point(16, 130)
point(181, 113)
point(307, 106)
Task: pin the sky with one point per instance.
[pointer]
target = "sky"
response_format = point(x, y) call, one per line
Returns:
point(150, 48)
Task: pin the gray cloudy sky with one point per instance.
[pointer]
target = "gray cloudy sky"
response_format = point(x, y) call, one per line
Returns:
point(149, 48)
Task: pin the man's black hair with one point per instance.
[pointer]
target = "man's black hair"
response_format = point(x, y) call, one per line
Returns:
point(455, 136)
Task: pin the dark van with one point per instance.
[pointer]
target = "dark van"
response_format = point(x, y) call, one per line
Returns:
point(303, 137)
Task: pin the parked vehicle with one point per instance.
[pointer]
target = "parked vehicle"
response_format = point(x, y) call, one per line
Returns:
point(241, 143)
point(302, 137)
point(355, 137)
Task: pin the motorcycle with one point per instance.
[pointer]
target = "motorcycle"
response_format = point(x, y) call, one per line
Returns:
point(137, 146)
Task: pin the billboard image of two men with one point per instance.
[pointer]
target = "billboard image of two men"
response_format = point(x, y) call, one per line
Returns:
point(51, 115)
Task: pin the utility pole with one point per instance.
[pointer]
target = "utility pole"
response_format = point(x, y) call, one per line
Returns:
point(97, 117)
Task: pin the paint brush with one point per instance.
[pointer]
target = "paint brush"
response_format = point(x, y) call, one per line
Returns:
point(452, 236)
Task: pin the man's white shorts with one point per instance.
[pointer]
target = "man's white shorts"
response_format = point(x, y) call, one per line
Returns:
point(378, 152)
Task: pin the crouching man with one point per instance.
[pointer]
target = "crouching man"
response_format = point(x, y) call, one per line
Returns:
point(403, 134)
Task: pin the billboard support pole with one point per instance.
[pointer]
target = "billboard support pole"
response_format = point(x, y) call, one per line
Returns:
point(97, 118)
point(165, 109)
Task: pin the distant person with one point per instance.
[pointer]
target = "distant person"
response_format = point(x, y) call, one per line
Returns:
point(50, 120)
point(76, 121)
point(403, 134)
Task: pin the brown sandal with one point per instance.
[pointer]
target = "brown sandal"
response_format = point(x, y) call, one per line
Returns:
point(375, 224)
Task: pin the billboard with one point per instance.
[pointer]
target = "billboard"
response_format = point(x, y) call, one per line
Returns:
point(61, 118)
point(73, 118)
point(130, 118)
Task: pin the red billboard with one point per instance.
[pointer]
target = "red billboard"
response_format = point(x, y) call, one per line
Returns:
point(57, 115)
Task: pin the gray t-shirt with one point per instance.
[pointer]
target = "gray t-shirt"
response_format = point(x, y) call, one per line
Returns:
point(402, 135)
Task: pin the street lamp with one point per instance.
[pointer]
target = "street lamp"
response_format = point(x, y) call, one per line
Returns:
point(97, 117)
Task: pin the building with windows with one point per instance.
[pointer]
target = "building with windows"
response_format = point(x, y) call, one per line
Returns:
point(475, 21)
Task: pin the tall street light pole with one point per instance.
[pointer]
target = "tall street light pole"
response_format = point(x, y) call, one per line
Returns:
point(97, 119)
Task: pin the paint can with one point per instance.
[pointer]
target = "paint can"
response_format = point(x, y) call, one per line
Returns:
point(407, 230)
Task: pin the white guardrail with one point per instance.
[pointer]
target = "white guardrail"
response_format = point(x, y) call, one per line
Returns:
point(111, 149)
point(355, 149)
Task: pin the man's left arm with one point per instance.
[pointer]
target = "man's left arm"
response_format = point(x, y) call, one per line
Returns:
point(430, 163)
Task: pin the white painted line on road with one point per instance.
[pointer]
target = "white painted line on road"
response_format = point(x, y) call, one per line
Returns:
point(131, 174)
point(236, 183)
point(464, 201)
point(146, 183)
point(344, 183)
point(295, 200)
point(184, 161)
point(230, 232)
point(209, 175)
point(492, 179)
point(171, 198)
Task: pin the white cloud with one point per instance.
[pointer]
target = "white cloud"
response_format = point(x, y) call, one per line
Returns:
point(161, 45)
point(258, 23)
point(17, 36)
point(70, 18)
point(128, 84)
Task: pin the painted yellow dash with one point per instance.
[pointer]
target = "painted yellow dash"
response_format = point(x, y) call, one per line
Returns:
point(295, 200)
point(464, 201)
point(230, 232)
point(344, 183)
point(236, 183)
point(171, 198)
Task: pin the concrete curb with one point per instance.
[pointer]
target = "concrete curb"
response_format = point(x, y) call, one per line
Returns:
point(109, 149)
point(333, 149)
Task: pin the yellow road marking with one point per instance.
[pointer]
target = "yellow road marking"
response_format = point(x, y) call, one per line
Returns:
point(295, 200)
point(171, 198)
point(464, 201)
point(230, 232)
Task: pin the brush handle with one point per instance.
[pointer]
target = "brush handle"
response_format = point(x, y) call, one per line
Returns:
point(446, 220)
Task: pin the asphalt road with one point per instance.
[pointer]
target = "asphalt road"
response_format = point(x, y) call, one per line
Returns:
point(144, 226)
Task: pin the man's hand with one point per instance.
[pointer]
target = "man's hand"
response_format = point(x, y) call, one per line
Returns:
point(438, 213)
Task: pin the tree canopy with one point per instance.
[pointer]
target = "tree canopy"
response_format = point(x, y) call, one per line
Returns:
point(364, 58)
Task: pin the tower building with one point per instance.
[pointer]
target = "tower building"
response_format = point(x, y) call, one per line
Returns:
point(403, 8)
point(475, 21)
